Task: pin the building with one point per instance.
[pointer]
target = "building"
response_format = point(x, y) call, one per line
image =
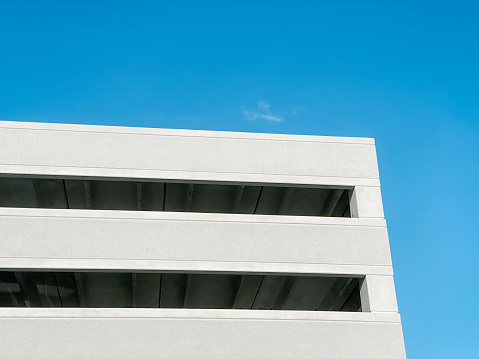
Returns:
point(152, 243)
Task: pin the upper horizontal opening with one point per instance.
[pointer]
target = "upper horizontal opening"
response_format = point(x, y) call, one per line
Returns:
point(174, 196)
point(179, 290)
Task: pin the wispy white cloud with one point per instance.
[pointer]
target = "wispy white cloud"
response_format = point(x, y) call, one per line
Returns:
point(263, 113)
point(251, 115)
point(263, 105)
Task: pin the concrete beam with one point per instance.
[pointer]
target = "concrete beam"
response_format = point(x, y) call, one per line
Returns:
point(239, 333)
point(201, 239)
point(186, 155)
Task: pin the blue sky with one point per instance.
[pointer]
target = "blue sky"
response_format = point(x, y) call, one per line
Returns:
point(405, 73)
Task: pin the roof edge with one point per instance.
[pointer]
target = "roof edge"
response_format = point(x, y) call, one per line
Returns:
point(181, 132)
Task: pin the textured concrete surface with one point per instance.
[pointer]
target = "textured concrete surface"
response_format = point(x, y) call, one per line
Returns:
point(163, 333)
point(43, 239)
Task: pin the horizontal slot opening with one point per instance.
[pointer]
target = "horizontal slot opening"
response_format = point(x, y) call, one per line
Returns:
point(179, 290)
point(205, 197)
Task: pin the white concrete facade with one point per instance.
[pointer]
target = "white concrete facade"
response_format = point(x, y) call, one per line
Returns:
point(43, 239)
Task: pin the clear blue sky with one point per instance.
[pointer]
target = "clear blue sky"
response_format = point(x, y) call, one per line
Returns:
point(405, 73)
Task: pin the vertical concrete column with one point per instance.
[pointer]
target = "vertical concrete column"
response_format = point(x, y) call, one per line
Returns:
point(366, 202)
point(378, 294)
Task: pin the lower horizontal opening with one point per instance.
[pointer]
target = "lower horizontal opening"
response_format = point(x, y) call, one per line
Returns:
point(179, 290)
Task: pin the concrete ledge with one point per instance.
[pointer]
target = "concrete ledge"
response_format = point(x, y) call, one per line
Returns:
point(198, 314)
point(74, 264)
point(190, 217)
point(167, 334)
point(179, 132)
point(98, 151)
point(172, 241)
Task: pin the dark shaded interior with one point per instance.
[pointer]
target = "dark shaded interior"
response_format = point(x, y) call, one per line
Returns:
point(174, 196)
point(179, 290)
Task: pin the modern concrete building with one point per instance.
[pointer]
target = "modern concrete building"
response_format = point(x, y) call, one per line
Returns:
point(151, 243)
